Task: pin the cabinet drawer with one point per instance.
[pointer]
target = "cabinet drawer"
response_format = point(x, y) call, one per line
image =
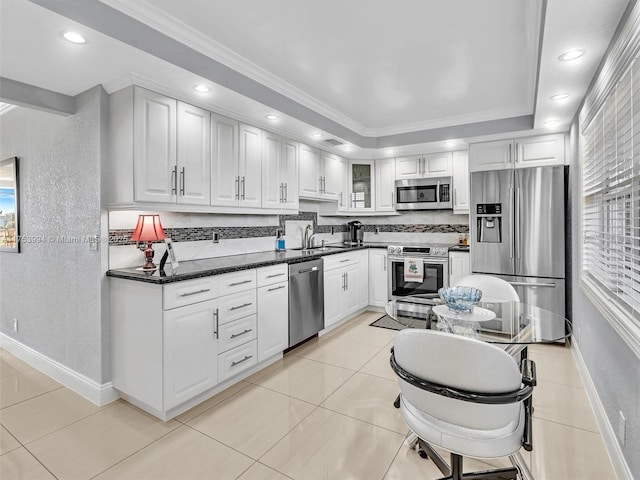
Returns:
point(236, 282)
point(238, 305)
point(236, 333)
point(341, 260)
point(237, 360)
point(274, 274)
point(179, 294)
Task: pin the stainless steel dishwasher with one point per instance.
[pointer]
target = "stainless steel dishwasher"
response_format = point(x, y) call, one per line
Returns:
point(306, 300)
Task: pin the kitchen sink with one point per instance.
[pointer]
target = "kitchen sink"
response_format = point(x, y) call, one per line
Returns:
point(326, 248)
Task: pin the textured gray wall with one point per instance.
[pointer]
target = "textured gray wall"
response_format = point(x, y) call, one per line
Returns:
point(613, 367)
point(57, 290)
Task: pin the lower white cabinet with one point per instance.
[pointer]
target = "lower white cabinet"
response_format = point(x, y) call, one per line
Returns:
point(345, 285)
point(459, 266)
point(273, 319)
point(378, 276)
point(190, 351)
point(237, 360)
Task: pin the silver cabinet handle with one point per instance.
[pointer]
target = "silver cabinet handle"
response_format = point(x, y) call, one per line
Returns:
point(516, 152)
point(341, 199)
point(438, 192)
point(240, 283)
point(320, 187)
point(454, 197)
point(246, 357)
point(174, 180)
point(243, 187)
point(286, 192)
point(188, 294)
point(385, 263)
point(237, 188)
point(282, 193)
point(247, 330)
point(275, 288)
point(275, 275)
point(346, 280)
point(216, 317)
point(345, 260)
point(240, 306)
point(182, 181)
point(509, 161)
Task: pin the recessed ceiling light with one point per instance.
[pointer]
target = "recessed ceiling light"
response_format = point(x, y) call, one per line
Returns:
point(73, 37)
point(551, 123)
point(449, 143)
point(316, 135)
point(347, 148)
point(390, 150)
point(202, 88)
point(571, 55)
point(559, 96)
point(271, 117)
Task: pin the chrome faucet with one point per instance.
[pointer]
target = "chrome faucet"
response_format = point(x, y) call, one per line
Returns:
point(310, 240)
point(306, 238)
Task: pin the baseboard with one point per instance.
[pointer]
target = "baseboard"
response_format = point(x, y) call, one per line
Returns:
point(100, 394)
point(606, 429)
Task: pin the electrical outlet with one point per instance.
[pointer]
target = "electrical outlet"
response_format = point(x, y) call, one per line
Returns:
point(216, 237)
point(622, 428)
point(15, 325)
point(93, 243)
point(377, 231)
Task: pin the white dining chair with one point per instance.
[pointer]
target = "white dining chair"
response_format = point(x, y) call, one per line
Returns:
point(466, 396)
point(493, 289)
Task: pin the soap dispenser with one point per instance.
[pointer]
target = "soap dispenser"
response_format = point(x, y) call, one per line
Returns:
point(279, 241)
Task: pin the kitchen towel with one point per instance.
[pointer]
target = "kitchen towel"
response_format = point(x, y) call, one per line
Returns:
point(413, 269)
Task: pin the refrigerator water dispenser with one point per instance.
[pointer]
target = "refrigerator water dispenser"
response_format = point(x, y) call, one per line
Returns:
point(489, 222)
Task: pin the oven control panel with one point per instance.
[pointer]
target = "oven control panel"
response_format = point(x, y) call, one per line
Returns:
point(419, 251)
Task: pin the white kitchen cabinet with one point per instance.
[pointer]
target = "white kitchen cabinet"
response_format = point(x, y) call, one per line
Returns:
point(537, 151)
point(322, 175)
point(460, 168)
point(273, 319)
point(250, 166)
point(279, 172)
point(154, 147)
point(385, 175)
point(224, 161)
point(194, 155)
point(345, 285)
point(459, 266)
point(190, 352)
point(361, 186)
point(427, 165)
point(378, 277)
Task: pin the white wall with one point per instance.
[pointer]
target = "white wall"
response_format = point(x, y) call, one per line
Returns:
point(56, 289)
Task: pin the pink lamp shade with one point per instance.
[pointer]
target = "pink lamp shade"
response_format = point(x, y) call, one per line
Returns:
point(149, 229)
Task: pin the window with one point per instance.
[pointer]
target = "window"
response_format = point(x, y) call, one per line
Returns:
point(611, 204)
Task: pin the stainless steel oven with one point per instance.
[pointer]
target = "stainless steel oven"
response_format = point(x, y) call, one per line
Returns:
point(435, 261)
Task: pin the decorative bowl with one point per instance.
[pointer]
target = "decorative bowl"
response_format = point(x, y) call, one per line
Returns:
point(460, 298)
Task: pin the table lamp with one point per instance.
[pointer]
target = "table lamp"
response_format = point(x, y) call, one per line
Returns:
point(149, 229)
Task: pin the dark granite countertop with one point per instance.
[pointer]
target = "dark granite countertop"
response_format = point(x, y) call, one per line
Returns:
point(459, 248)
point(214, 266)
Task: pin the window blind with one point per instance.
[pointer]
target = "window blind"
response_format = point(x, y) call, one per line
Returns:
point(611, 196)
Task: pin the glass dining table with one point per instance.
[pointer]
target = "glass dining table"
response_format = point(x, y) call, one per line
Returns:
point(511, 325)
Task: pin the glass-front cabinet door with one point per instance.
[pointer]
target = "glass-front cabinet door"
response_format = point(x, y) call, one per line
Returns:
point(361, 185)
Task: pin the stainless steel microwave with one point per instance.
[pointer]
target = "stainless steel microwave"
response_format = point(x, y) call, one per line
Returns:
point(423, 194)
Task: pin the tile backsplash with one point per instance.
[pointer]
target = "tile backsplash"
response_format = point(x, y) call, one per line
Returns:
point(192, 234)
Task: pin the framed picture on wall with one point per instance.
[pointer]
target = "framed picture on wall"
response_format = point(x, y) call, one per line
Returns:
point(9, 206)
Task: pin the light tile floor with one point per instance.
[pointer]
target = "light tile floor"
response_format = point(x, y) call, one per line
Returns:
point(323, 412)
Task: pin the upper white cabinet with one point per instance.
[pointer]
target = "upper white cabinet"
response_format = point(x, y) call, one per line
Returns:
point(385, 175)
point(154, 147)
point(322, 175)
point(361, 191)
point(460, 167)
point(279, 172)
point(194, 155)
point(250, 166)
point(525, 152)
point(224, 161)
point(429, 165)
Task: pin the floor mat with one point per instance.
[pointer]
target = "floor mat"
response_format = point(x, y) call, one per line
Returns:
point(387, 322)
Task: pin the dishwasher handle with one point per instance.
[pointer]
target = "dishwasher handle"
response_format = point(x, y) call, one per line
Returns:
point(312, 269)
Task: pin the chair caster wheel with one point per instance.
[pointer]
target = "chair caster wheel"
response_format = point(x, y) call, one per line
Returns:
point(396, 402)
point(422, 453)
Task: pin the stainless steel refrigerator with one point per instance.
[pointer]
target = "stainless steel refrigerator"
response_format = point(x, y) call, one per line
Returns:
point(517, 231)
